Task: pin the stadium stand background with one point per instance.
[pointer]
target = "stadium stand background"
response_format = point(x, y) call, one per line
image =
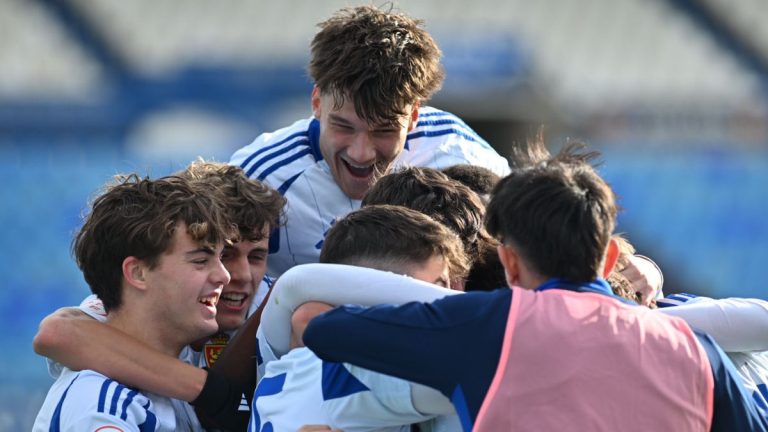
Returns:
point(674, 92)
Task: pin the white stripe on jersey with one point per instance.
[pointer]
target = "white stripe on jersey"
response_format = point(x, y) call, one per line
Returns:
point(289, 161)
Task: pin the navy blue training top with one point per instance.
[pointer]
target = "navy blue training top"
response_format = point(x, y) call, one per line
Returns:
point(454, 345)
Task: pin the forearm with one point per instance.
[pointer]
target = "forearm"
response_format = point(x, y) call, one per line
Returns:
point(83, 343)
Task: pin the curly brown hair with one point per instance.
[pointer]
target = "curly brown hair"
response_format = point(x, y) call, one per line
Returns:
point(380, 60)
point(250, 204)
point(137, 217)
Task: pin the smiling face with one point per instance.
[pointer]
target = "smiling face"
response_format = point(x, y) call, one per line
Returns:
point(186, 284)
point(358, 153)
point(246, 262)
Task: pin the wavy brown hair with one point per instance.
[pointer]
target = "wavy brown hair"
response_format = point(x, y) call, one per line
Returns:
point(250, 204)
point(380, 60)
point(137, 217)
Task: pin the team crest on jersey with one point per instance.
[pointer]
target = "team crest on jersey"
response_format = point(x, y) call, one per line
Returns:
point(213, 348)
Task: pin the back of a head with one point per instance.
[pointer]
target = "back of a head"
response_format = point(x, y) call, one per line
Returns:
point(137, 217)
point(431, 192)
point(382, 59)
point(478, 178)
point(392, 238)
point(558, 214)
point(250, 204)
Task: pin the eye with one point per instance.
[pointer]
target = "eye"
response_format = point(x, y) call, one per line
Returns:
point(257, 258)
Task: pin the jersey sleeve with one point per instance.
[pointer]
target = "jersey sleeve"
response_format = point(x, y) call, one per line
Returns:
point(387, 404)
point(736, 324)
point(452, 344)
point(734, 408)
point(336, 284)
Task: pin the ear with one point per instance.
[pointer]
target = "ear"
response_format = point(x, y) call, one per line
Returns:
point(414, 116)
point(511, 262)
point(135, 272)
point(611, 257)
point(316, 102)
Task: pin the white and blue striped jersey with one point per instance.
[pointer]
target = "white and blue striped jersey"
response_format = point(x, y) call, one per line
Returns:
point(89, 401)
point(301, 389)
point(289, 160)
point(738, 325)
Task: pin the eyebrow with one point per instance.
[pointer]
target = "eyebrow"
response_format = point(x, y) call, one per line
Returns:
point(339, 119)
point(204, 249)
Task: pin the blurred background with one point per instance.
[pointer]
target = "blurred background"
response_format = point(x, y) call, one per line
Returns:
point(673, 92)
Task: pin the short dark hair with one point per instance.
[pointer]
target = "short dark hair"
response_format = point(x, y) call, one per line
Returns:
point(137, 217)
point(249, 203)
point(392, 238)
point(559, 215)
point(380, 60)
point(431, 192)
point(478, 178)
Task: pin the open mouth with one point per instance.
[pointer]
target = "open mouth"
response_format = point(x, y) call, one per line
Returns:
point(233, 300)
point(210, 300)
point(361, 171)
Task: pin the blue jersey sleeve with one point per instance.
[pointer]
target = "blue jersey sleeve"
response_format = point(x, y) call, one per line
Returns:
point(452, 344)
point(734, 407)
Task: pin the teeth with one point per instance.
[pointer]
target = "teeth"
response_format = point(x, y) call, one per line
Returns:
point(210, 300)
point(236, 297)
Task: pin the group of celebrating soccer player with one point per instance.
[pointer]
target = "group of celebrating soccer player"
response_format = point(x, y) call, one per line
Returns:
point(379, 266)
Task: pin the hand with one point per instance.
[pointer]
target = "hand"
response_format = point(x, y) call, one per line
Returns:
point(645, 277)
point(301, 318)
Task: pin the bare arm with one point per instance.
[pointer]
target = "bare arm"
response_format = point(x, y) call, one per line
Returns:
point(77, 341)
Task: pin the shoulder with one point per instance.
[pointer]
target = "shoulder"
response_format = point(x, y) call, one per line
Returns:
point(280, 154)
point(441, 139)
point(93, 399)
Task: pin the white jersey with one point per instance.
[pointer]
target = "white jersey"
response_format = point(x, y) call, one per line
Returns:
point(738, 325)
point(289, 160)
point(301, 389)
point(89, 401)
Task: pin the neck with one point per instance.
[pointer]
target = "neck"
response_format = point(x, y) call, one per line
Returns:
point(134, 322)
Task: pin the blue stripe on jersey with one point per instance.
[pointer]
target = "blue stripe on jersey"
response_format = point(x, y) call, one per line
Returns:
point(454, 131)
point(276, 154)
point(284, 187)
point(269, 147)
point(268, 386)
point(284, 162)
point(338, 382)
point(126, 402)
point(115, 398)
point(274, 241)
point(56, 419)
point(761, 395)
point(462, 409)
point(150, 422)
point(103, 394)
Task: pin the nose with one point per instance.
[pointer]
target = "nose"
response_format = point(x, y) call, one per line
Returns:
point(362, 150)
point(239, 270)
point(220, 274)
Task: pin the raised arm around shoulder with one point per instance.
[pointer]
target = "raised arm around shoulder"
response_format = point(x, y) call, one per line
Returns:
point(79, 342)
point(736, 324)
point(336, 284)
